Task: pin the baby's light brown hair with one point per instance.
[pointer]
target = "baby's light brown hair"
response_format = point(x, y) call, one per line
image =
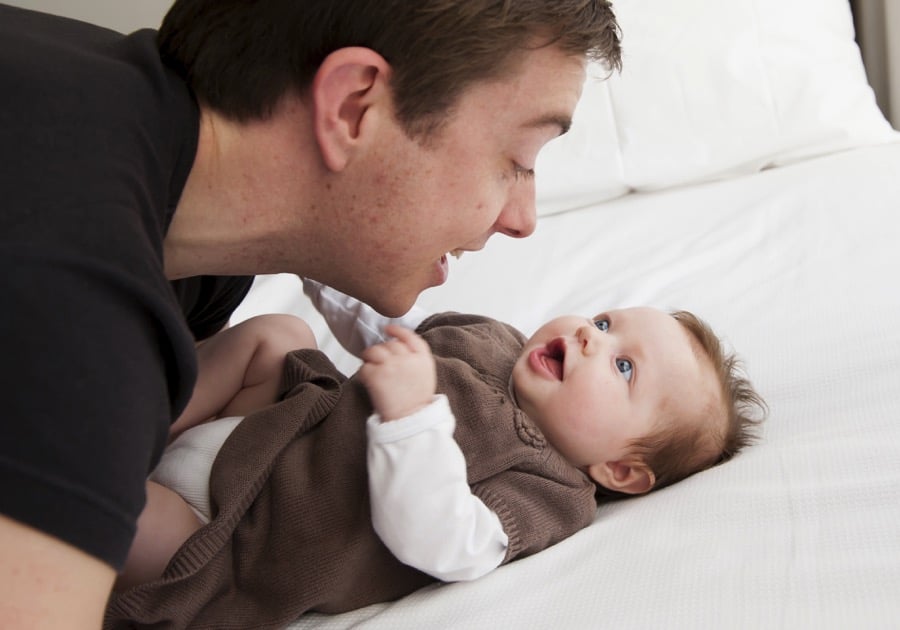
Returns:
point(727, 424)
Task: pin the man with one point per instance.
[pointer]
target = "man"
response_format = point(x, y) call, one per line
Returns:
point(147, 177)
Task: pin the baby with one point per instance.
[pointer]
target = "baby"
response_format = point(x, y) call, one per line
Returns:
point(483, 447)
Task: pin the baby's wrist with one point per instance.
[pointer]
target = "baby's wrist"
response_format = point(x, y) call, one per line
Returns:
point(404, 411)
point(435, 413)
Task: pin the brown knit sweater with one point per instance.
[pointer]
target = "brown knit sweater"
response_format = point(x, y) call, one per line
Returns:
point(291, 528)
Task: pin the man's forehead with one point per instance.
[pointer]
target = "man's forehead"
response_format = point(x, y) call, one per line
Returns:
point(543, 88)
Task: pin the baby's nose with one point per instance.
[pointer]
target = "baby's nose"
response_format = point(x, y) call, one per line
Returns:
point(588, 336)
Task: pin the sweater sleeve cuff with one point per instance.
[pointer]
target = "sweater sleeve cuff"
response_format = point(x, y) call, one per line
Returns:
point(437, 412)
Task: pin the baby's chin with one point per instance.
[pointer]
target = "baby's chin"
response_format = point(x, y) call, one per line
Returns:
point(519, 400)
point(512, 389)
point(514, 377)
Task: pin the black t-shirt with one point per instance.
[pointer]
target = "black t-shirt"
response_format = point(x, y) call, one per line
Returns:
point(96, 141)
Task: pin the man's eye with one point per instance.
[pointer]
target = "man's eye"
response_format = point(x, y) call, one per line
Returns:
point(520, 171)
point(625, 367)
point(602, 324)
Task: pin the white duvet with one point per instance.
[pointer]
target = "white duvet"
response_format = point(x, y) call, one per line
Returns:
point(797, 269)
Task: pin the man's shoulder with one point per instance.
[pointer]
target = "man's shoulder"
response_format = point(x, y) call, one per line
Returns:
point(72, 77)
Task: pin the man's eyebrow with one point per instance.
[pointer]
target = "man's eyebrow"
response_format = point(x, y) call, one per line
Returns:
point(562, 122)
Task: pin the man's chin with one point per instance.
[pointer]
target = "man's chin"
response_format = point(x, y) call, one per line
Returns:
point(388, 299)
point(393, 303)
point(398, 297)
point(395, 308)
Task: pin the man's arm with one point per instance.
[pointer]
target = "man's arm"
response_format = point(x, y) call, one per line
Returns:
point(46, 583)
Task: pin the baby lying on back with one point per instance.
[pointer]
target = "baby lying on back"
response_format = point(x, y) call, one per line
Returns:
point(454, 449)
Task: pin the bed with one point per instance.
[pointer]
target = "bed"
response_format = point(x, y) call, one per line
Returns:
point(739, 168)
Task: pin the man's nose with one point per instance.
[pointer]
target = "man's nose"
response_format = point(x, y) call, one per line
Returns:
point(518, 218)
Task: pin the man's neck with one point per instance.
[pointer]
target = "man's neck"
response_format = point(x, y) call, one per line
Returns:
point(228, 220)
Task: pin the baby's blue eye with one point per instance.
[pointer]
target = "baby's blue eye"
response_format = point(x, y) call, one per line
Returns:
point(602, 324)
point(625, 368)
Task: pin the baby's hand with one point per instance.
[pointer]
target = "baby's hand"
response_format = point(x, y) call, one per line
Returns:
point(399, 374)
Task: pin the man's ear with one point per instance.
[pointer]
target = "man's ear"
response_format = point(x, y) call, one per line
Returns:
point(630, 477)
point(347, 93)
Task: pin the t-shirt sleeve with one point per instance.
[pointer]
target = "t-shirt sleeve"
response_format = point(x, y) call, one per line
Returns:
point(208, 301)
point(96, 140)
point(92, 373)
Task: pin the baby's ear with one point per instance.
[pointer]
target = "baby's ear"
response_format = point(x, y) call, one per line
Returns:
point(630, 477)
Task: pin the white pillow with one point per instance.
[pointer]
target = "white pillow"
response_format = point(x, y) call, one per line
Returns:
point(711, 89)
point(585, 165)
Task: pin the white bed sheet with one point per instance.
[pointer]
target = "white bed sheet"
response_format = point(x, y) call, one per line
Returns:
point(796, 268)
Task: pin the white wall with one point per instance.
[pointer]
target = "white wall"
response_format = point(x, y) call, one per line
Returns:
point(878, 25)
point(121, 15)
point(892, 28)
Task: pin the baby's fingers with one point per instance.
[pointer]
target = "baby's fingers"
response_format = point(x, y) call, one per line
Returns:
point(378, 353)
point(405, 342)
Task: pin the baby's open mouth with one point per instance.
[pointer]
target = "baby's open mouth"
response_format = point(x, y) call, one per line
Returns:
point(555, 357)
